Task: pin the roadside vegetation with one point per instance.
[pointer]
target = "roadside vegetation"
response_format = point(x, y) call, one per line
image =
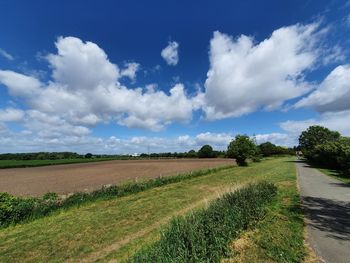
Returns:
point(116, 228)
point(327, 149)
point(279, 236)
point(204, 235)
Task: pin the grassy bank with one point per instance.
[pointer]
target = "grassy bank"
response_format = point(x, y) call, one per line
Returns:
point(117, 228)
point(279, 236)
point(204, 235)
point(35, 163)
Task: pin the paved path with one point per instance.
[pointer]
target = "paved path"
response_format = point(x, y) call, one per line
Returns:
point(327, 209)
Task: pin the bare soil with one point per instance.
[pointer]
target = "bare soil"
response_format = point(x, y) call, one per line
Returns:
point(65, 179)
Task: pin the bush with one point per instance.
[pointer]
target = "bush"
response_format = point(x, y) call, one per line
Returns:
point(333, 154)
point(242, 148)
point(205, 235)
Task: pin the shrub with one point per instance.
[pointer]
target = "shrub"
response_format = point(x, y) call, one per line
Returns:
point(205, 235)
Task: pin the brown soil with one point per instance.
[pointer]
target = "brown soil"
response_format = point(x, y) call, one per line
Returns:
point(65, 179)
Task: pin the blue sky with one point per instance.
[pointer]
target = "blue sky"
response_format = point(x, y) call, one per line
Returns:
point(117, 77)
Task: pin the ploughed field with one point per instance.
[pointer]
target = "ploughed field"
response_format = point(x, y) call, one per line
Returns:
point(65, 179)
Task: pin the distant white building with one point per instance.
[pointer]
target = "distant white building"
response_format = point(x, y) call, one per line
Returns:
point(135, 155)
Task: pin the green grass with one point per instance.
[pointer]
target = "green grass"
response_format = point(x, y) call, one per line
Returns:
point(116, 228)
point(34, 163)
point(339, 175)
point(15, 209)
point(279, 236)
point(204, 235)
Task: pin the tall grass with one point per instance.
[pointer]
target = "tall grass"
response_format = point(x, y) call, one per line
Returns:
point(14, 209)
point(205, 235)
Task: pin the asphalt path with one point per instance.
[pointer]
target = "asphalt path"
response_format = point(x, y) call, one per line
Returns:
point(326, 203)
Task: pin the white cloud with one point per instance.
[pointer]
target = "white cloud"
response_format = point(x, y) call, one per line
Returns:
point(170, 53)
point(217, 139)
point(244, 77)
point(19, 84)
point(6, 54)
point(130, 70)
point(11, 115)
point(333, 94)
point(85, 90)
point(281, 139)
point(337, 121)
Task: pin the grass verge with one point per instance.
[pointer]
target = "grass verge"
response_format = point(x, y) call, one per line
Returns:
point(279, 237)
point(339, 175)
point(204, 235)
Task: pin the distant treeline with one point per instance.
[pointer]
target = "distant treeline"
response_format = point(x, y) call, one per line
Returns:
point(206, 151)
point(50, 156)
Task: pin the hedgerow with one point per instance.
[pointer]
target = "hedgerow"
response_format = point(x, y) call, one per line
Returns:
point(14, 209)
point(205, 235)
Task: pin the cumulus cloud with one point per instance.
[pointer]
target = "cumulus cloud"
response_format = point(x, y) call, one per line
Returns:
point(6, 55)
point(170, 53)
point(217, 139)
point(85, 90)
point(244, 76)
point(332, 120)
point(11, 115)
point(333, 93)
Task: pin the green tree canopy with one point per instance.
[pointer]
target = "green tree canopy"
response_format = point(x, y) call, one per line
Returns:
point(313, 136)
point(206, 152)
point(242, 148)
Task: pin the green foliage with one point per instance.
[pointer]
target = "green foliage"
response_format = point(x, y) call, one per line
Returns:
point(325, 148)
point(204, 235)
point(242, 148)
point(270, 149)
point(88, 155)
point(206, 152)
point(314, 136)
point(333, 154)
point(18, 209)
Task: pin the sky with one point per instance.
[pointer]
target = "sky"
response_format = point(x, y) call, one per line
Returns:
point(120, 77)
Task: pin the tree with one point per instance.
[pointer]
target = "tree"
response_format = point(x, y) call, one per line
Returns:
point(267, 148)
point(88, 155)
point(192, 154)
point(206, 152)
point(313, 136)
point(242, 148)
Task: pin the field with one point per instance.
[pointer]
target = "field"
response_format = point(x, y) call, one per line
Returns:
point(114, 229)
point(64, 179)
point(35, 163)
